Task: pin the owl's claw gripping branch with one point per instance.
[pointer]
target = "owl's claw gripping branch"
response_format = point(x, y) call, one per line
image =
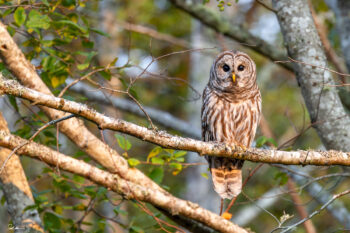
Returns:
point(300, 157)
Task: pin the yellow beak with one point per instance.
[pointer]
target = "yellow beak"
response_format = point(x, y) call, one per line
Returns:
point(233, 77)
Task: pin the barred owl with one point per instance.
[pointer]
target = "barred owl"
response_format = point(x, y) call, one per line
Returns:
point(231, 111)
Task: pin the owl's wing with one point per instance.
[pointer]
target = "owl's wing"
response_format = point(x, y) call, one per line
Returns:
point(226, 172)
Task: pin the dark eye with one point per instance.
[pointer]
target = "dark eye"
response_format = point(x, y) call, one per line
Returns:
point(240, 68)
point(226, 68)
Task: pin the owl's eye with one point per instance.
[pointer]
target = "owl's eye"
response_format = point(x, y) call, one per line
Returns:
point(240, 68)
point(226, 68)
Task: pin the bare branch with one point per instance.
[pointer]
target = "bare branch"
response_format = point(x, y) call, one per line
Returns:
point(287, 229)
point(156, 115)
point(154, 34)
point(215, 21)
point(337, 209)
point(128, 189)
point(301, 157)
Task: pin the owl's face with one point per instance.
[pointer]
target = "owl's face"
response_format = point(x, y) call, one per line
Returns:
point(232, 71)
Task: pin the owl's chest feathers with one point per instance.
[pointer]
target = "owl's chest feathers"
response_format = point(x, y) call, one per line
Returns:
point(228, 121)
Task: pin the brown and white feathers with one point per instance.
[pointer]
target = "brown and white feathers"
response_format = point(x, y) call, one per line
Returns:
point(230, 113)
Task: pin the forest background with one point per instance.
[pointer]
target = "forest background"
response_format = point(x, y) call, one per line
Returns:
point(147, 62)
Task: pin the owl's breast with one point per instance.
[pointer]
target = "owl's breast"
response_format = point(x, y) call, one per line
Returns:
point(231, 122)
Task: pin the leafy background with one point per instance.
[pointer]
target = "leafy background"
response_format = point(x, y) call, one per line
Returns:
point(69, 39)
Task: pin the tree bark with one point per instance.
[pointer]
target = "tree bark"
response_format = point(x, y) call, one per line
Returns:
point(161, 138)
point(73, 128)
point(326, 111)
point(115, 182)
point(17, 191)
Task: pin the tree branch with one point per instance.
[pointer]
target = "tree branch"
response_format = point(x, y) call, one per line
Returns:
point(161, 117)
point(322, 102)
point(129, 190)
point(17, 191)
point(74, 129)
point(166, 140)
point(220, 24)
point(337, 209)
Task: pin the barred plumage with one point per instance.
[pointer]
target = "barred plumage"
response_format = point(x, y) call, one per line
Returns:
point(230, 113)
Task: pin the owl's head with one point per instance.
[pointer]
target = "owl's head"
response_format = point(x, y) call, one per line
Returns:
point(233, 71)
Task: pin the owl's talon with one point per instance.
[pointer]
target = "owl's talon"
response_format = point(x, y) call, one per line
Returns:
point(226, 215)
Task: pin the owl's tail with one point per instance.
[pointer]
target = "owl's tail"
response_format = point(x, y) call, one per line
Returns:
point(227, 176)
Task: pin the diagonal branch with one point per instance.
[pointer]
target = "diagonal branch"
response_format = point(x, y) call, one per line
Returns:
point(129, 190)
point(74, 129)
point(300, 157)
point(222, 25)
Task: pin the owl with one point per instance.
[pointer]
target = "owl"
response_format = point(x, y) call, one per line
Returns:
point(231, 110)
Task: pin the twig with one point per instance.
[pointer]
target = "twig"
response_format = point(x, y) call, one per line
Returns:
point(243, 185)
point(321, 67)
point(153, 33)
point(309, 226)
point(286, 229)
point(32, 138)
point(266, 6)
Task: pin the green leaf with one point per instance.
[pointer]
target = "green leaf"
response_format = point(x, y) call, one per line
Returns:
point(13, 102)
point(179, 153)
point(205, 175)
point(177, 167)
point(157, 174)
point(135, 229)
point(154, 152)
point(36, 20)
point(260, 141)
point(51, 221)
point(106, 74)
point(72, 25)
point(118, 211)
point(123, 142)
point(20, 16)
point(87, 61)
point(157, 160)
point(78, 179)
point(282, 178)
point(100, 32)
point(133, 162)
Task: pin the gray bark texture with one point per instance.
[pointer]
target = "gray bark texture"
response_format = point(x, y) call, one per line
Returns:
point(322, 101)
point(16, 202)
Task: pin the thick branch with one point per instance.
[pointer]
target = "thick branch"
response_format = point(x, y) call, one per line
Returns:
point(220, 24)
point(169, 141)
point(215, 21)
point(128, 189)
point(17, 191)
point(161, 117)
point(324, 106)
point(74, 129)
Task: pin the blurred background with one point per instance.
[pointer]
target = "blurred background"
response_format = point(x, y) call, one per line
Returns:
point(166, 55)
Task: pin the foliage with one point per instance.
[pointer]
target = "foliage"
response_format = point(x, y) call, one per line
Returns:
point(76, 38)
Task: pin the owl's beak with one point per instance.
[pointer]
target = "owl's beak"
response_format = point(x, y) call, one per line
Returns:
point(233, 77)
